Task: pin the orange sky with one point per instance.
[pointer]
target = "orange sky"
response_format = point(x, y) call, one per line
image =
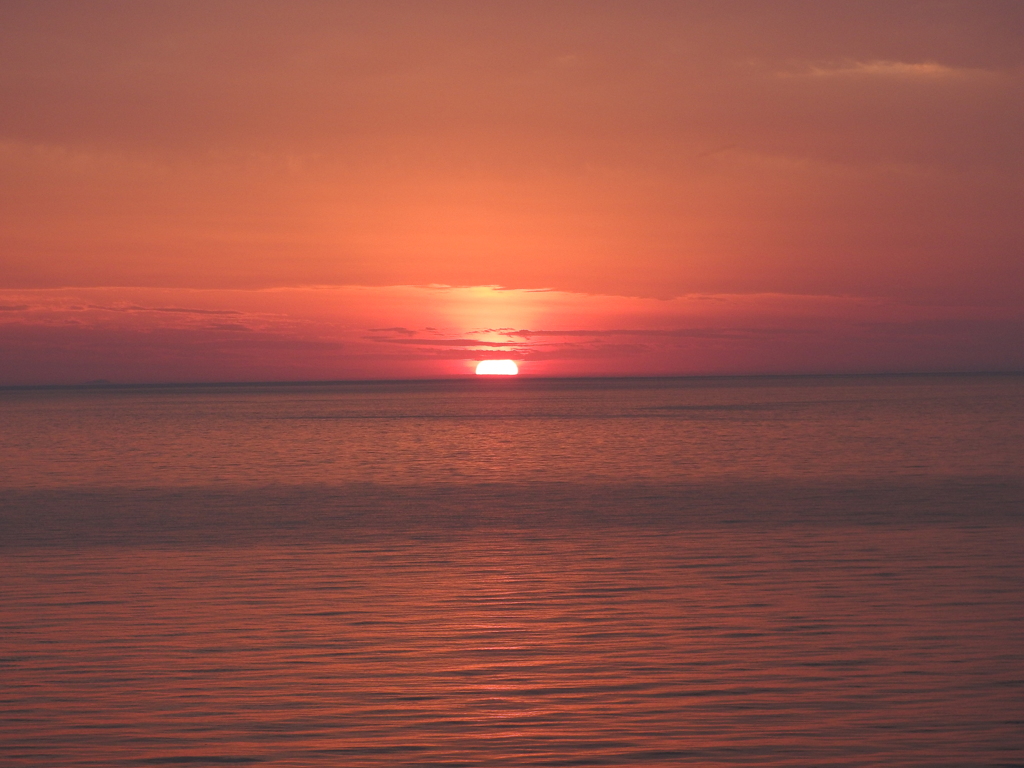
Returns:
point(253, 190)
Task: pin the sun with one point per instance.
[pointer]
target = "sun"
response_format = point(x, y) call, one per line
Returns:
point(496, 368)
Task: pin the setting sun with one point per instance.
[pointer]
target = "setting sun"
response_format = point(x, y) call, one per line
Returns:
point(497, 368)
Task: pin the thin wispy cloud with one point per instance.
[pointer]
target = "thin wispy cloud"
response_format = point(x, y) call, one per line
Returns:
point(907, 70)
point(661, 332)
point(172, 310)
point(439, 342)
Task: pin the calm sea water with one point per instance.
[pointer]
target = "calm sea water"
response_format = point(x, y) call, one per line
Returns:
point(770, 572)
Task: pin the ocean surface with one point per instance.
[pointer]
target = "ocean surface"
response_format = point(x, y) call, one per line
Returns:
point(799, 571)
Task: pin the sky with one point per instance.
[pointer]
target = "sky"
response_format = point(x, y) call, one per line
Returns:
point(302, 190)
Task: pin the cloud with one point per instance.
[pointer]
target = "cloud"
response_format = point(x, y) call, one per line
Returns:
point(700, 333)
point(397, 329)
point(325, 333)
point(13, 307)
point(178, 310)
point(889, 69)
point(581, 352)
point(229, 327)
point(979, 328)
point(440, 342)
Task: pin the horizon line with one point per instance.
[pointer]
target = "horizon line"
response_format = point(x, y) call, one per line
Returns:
point(104, 384)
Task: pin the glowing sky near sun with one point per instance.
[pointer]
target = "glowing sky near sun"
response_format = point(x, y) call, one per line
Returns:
point(291, 190)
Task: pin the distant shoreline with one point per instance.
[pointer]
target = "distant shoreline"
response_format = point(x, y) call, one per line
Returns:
point(498, 381)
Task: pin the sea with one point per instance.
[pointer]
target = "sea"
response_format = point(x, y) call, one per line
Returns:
point(498, 571)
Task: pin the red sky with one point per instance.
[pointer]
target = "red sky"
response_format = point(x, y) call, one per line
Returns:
point(196, 191)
